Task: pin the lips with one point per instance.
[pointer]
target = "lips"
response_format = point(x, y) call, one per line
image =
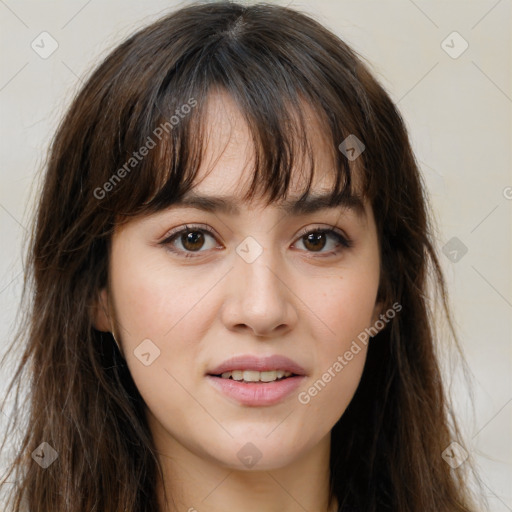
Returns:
point(258, 364)
point(279, 378)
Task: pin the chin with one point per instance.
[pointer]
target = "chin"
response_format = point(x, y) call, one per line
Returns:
point(258, 452)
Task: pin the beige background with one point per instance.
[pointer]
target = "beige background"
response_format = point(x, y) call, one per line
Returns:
point(458, 111)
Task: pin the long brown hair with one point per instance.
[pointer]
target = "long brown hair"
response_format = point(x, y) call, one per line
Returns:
point(386, 450)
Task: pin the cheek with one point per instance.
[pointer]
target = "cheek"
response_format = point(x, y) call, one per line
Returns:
point(329, 393)
point(159, 310)
point(345, 304)
point(173, 309)
point(155, 301)
point(345, 307)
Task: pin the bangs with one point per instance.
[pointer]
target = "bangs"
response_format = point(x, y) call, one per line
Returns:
point(284, 91)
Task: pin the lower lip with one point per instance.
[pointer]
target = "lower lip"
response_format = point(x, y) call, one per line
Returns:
point(257, 393)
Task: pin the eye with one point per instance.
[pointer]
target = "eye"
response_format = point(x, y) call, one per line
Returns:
point(192, 240)
point(317, 239)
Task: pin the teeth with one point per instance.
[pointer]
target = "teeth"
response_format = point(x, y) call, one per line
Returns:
point(251, 376)
point(268, 376)
point(255, 376)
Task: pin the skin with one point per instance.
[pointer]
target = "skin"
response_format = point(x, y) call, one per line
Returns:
point(199, 311)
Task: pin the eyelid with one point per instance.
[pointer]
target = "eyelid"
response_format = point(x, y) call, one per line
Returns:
point(187, 227)
point(330, 227)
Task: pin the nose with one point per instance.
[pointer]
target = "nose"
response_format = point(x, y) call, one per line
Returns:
point(259, 300)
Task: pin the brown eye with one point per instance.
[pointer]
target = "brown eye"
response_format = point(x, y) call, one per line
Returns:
point(315, 241)
point(192, 240)
point(189, 240)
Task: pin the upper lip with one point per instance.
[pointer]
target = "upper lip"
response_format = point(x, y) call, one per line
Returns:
point(260, 364)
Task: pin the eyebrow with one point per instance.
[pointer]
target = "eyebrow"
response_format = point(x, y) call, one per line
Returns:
point(309, 204)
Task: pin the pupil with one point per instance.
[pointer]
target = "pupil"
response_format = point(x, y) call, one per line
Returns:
point(193, 240)
point(315, 238)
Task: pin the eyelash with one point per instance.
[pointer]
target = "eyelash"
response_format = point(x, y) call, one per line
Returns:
point(342, 240)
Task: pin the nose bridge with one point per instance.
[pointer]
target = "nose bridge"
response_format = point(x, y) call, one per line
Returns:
point(260, 300)
point(258, 266)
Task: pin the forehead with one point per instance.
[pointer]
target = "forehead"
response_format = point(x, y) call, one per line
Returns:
point(228, 163)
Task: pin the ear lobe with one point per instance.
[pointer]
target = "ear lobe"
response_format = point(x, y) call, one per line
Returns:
point(101, 318)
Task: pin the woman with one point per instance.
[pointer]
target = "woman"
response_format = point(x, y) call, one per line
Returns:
point(230, 262)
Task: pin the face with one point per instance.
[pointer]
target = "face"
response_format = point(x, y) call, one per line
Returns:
point(257, 285)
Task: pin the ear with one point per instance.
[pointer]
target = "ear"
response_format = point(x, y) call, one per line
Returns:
point(101, 318)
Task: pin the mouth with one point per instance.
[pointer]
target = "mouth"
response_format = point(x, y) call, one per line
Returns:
point(249, 368)
point(257, 381)
point(256, 376)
